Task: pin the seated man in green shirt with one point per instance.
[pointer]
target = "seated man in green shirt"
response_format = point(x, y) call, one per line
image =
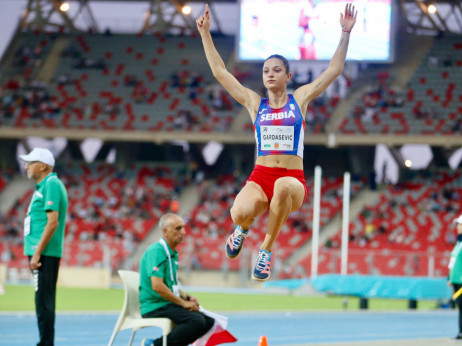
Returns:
point(160, 295)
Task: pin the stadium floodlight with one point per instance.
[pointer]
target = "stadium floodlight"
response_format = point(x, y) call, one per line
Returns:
point(419, 155)
point(64, 7)
point(431, 9)
point(186, 10)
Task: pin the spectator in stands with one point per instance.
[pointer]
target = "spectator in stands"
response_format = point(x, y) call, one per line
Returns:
point(455, 271)
point(130, 80)
point(457, 125)
point(447, 61)
point(160, 295)
point(12, 229)
point(277, 183)
point(432, 60)
point(292, 84)
point(382, 229)
point(43, 236)
point(449, 237)
point(72, 52)
point(90, 63)
point(194, 79)
point(111, 109)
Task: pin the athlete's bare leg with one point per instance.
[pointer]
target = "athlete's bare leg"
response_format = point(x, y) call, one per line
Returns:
point(288, 197)
point(250, 203)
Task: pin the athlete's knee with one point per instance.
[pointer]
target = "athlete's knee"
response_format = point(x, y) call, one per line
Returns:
point(239, 215)
point(209, 322)
point(202, 323)
point(282, 190)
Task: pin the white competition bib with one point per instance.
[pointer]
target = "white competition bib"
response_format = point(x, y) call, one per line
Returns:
point(277, 138)
point(27, 226)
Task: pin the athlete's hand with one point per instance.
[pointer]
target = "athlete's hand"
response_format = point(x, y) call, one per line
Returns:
point(193, 299)
point(348, 20)
point(203, 22)
point(190, 305)
point(35, 262)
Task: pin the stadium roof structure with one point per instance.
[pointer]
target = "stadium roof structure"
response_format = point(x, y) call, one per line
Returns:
point(419, 15)
point(167, 16)
point(161, 15)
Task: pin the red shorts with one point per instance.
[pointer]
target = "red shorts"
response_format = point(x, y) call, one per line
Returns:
point(267, 176)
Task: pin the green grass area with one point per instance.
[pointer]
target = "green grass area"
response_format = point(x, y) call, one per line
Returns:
point(21, 298)
point(261, 302)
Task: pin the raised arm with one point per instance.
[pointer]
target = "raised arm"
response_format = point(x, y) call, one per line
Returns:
point(241, 94)
point(304, 94)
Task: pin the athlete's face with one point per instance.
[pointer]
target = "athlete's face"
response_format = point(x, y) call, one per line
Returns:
point(175, 231)
point(275, 75)
point(34, 169)
point(459, 228)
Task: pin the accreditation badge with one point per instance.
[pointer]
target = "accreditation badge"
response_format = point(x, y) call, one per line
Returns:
point(27, 226)
point(452, 261)
point(176, 290)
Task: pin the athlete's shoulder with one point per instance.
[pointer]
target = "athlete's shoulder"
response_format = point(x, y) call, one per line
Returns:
point(292, 100)
point(263, 103)
point(54, 181)
point(156, 249)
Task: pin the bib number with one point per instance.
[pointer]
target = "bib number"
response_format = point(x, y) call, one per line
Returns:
point(277, 138)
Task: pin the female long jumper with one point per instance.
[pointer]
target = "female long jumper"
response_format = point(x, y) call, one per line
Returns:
point(277, 182)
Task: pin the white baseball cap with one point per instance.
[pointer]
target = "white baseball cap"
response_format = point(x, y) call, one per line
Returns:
point(458, 220)
point(39, 154)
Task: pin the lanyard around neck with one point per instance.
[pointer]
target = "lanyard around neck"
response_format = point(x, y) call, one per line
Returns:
point(164, 244)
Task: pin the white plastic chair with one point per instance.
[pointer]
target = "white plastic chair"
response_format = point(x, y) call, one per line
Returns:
point(130, 316)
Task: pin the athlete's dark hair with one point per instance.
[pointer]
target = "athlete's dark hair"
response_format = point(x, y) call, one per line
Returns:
point(285, 62)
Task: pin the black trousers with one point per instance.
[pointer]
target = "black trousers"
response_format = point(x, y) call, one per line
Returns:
point(459, 305)
point(190, 325)
point(45, 298)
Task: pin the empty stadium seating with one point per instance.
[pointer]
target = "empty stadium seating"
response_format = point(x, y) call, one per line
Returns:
point(130, 82)
point(411, 223)
point(110, 211)
point(430, 103)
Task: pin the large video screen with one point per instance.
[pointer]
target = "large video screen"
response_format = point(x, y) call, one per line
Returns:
point(310, 29)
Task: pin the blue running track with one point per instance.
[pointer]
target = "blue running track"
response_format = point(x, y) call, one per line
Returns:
point(279, 328)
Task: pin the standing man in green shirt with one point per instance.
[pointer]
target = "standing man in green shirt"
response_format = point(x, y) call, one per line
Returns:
point(455, 271)
point(160, 295)
point(44, 235)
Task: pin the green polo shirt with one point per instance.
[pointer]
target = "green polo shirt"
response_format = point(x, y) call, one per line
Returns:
point(455, 273)
point(50, 194)
point(155, 263)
